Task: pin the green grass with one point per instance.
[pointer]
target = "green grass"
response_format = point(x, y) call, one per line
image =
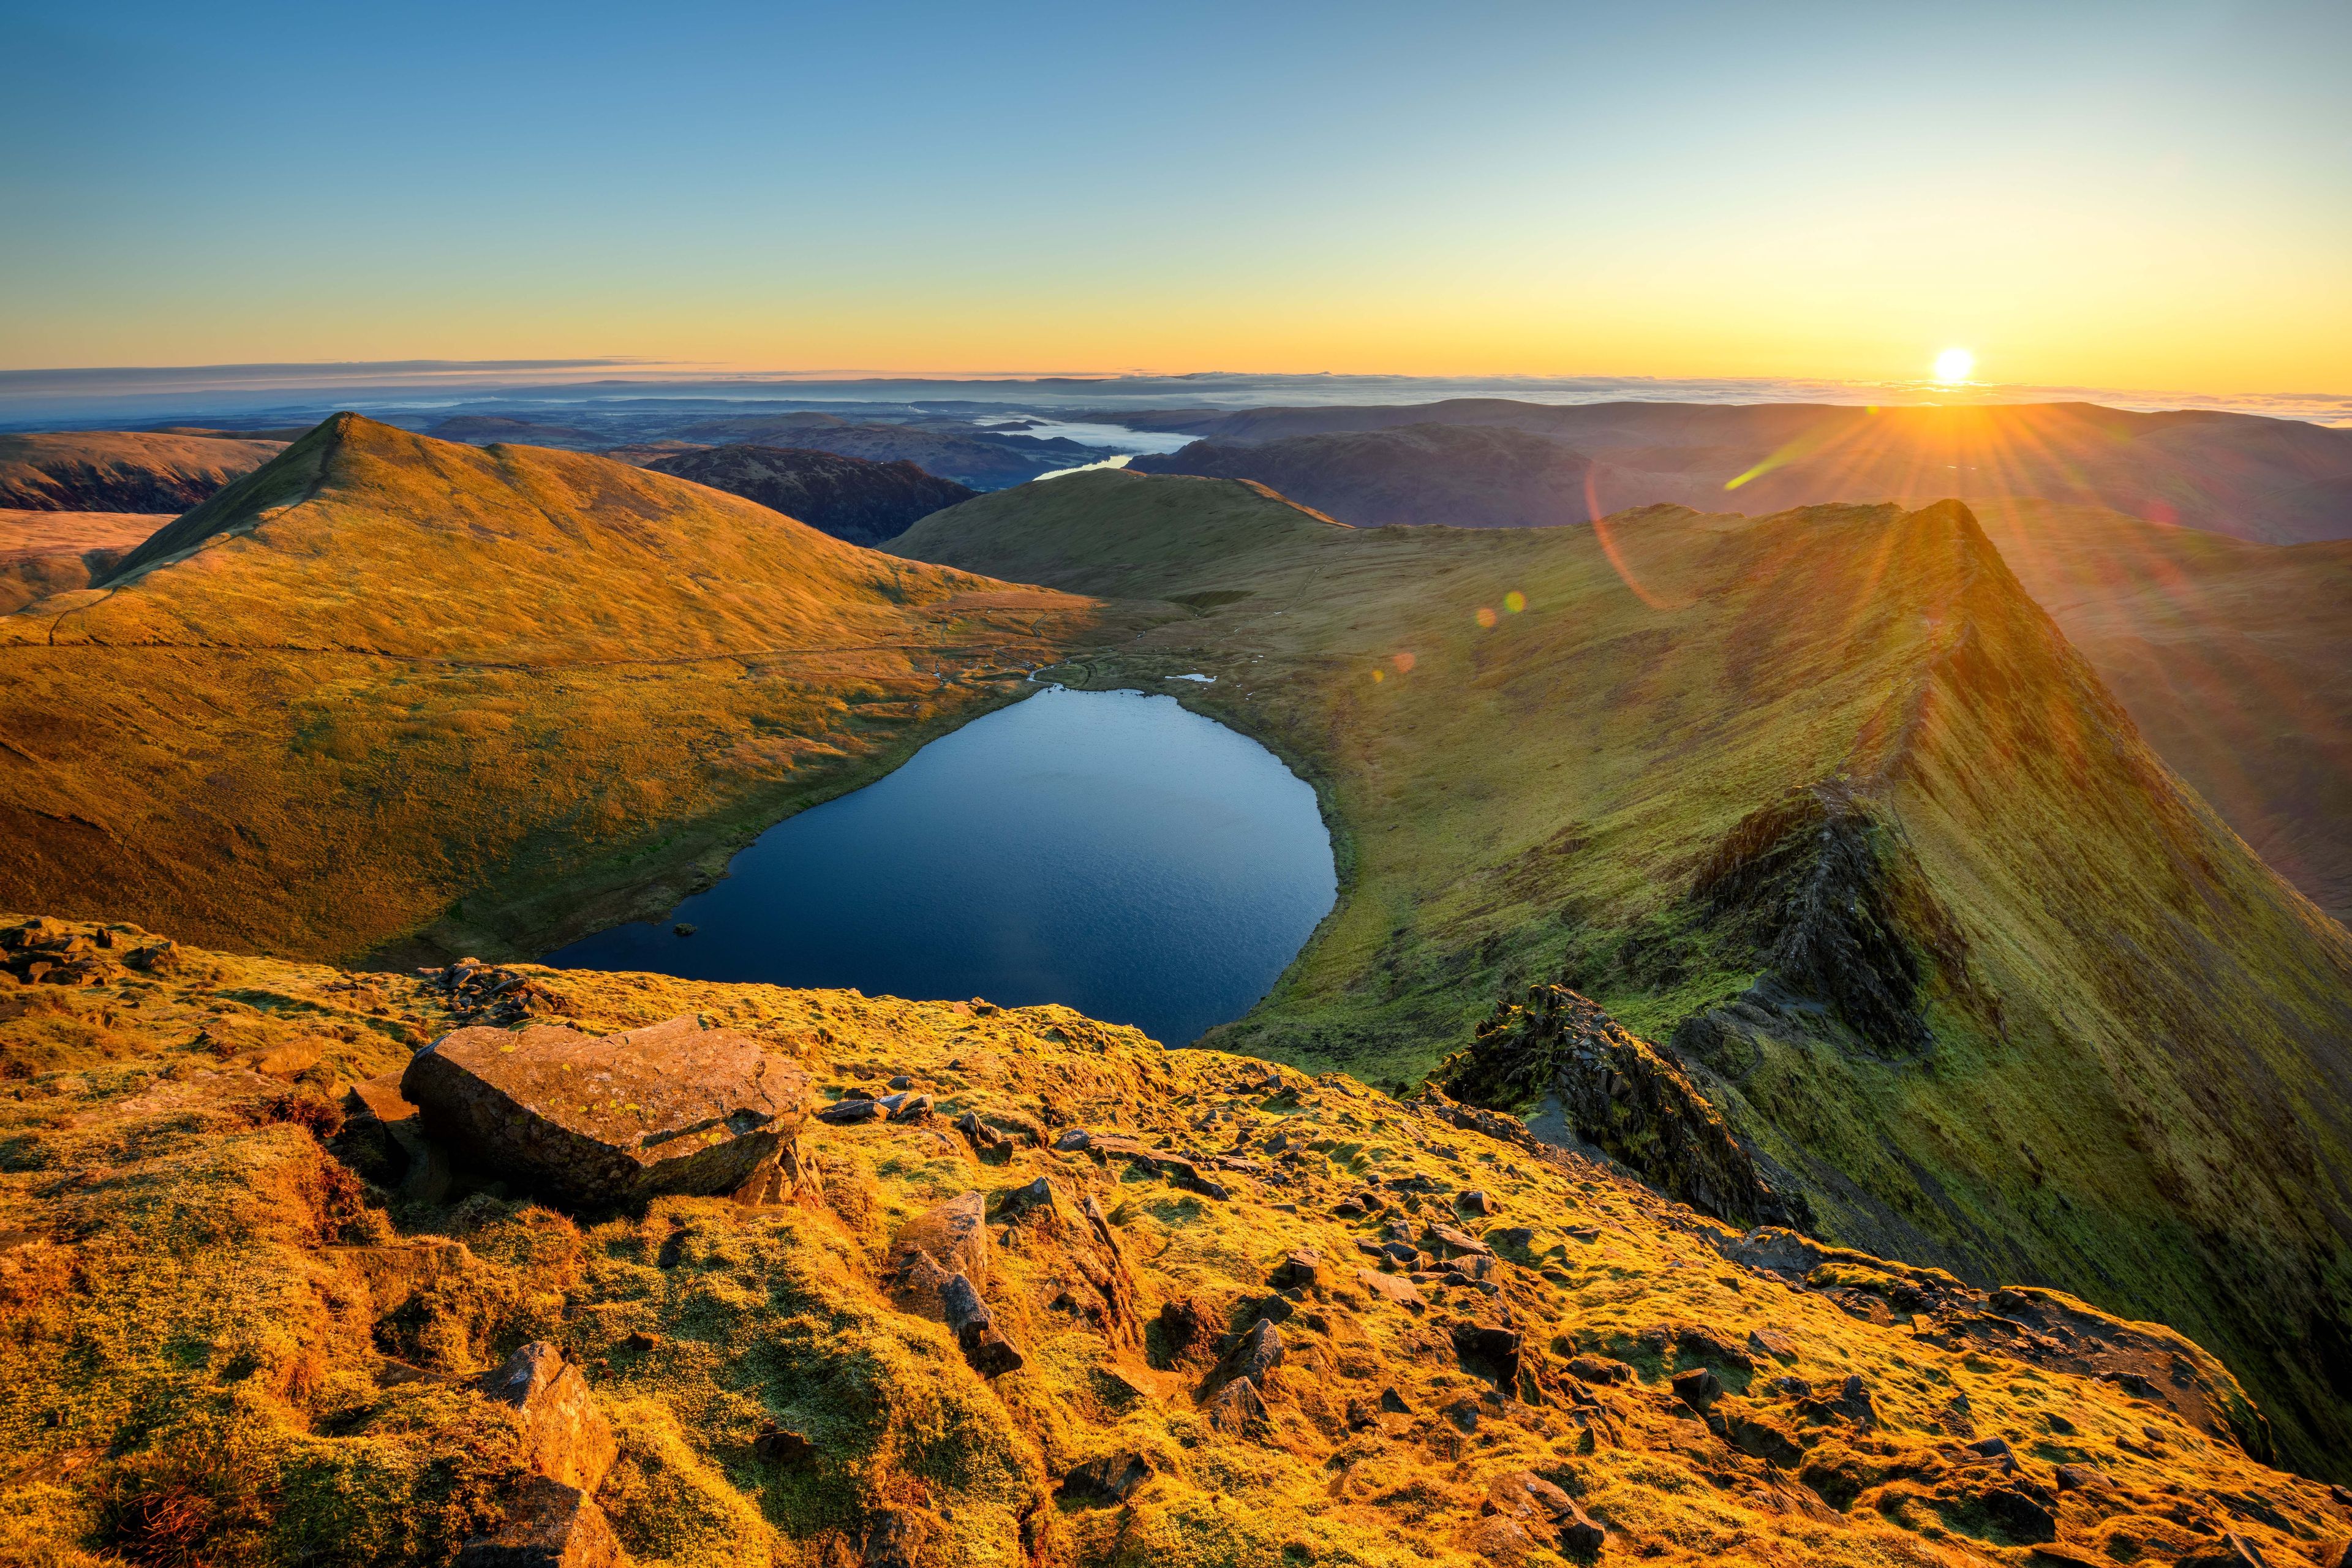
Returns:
point(2137, 1087)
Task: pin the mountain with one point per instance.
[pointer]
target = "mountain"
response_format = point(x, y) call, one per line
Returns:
point(1824, 803)
point(392, 690)
point(120, 470)
point(967, 455)
point(848, 498)
point(1469, 476)
point(2279, 481)
point(2234, 660)
point(46, 553)
point(481, 429)
point(259, 1310)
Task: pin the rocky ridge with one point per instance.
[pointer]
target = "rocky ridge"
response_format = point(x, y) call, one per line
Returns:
point(1054, 1295)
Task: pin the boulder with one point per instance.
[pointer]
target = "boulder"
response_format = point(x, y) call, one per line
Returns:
point(672, 1108)
point(1299, 1270)
point(547, 1525)
point(1697, 1387)
point(1256, 1353)
point(1110, 1478)
point(1489, 1350)
point(1394, 1288)
point(967, 1316)
point(564, 1436)
point(954, 1234)
point(1477, 1203)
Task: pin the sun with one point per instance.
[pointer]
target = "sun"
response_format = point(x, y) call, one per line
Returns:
point(1955, 365)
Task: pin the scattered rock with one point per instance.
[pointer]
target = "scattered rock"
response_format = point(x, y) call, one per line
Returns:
point(849, 1112)
point(673, 1108)
point(1445, 1240)
point(1299, 1270)
point(1477, 1202)
point(2022, 1515)
point(1595, 1369)
point(565, 1436)
point(2081, 1478)
point(1394, 1288)
point(547, 1525)
point(1518, 1238)
point(1111, 1479)
point(1698, 1388)
point(988, 1351)
point(1258, 1353)
point(1237, 1407)
point(954, 1234)
point(782, 1447)
point(1490, 1350)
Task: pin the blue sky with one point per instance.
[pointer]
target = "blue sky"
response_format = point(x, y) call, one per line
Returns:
point(2140, 195)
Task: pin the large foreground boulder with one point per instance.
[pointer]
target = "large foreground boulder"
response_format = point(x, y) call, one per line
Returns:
point(671, 1107)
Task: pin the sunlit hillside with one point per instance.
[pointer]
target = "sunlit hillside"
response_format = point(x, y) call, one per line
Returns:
point(2106, 1041)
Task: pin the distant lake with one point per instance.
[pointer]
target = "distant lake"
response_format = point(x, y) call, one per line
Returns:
point(1106, 849)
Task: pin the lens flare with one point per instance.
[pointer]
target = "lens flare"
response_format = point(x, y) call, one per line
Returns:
point(1404, 662)
point(1955, 365)
point(1515, 601)
point(1485, 615)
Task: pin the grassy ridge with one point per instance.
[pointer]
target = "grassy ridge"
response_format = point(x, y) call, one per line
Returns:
point(388, 692)
point(2138, 1086)
point(225, 1348)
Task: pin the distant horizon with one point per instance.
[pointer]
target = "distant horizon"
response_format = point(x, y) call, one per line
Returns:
point(56, 398)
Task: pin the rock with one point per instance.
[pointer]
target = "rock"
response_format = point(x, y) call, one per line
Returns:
point(849, 1112)
point(1697, 1387)
point(1524, 1494)
point(1446, 1238)
point(1073, 1141)
point(1990, 1447)
point(1594, 1369)
point(1111, 1479)
point(1237, 1407)
point(784, 1448)
point(1580, 1536)
point(986, 1141)
point(2082, 1478)
point(565, 1436)
point(1512, 1238)
point(1477, 1202)
point(1258, 1353)
point(684, 928)
point(2234, 1552)
point(1394, 1402)
point(673, 1108)
point(548, 1525)
point(1298, 1272)
point(1776, 1343)
point(1389, 1287)
point(2019, 1514)
point(967, 1316)
point(1489, 1349)
point(954, 1235)
point(1754, 1435)
point(894, 1538)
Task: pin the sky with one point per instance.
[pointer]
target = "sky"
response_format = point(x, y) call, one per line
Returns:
point(2153, 195)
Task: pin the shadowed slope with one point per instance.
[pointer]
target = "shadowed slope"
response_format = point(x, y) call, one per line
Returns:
point(2234, 660)
point(386, 674)
point(2112, 1004)
point(1463, 476)
point(2278, 479)
point(848, 498)
point(122, 470)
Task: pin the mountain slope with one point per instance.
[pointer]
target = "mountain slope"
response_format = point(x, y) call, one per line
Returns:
point(2280, 480)
point(504, 696)
point(44, 553)
point(229, 1346)
point(2234, 660)
point(2075, 1014)
point(1463, 476)
point(848, 498)
point(969, 457)
point(120, 470)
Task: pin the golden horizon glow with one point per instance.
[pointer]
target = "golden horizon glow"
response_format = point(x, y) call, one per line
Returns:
point(1955, 365)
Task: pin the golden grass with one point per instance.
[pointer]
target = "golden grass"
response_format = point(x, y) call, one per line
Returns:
point(200, 1357)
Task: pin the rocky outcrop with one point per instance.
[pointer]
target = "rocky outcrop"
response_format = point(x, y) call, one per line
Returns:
point(567, 1447)
point(850, 498)
point(43, 951)
point(671, 1107)
point(1619, 1093)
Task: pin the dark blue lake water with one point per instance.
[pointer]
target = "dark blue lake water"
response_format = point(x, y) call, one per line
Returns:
point(1105, 850)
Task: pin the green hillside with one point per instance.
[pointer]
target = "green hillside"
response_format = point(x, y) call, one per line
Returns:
point(390, 695)
point(1827, 800)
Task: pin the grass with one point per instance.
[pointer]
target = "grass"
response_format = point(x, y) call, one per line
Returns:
point(196, 1367)
point(390, 695)
point(2137, 1087)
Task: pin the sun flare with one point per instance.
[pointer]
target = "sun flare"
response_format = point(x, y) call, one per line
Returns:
point(1954, 365)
